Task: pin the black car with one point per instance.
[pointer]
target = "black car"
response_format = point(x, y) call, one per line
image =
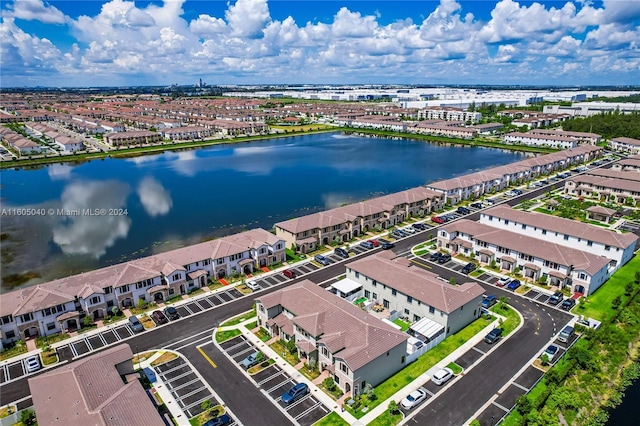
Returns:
point(516, 191)
point(493, 336)
point(568, 304)
point(444, 258)
point(556, 298)
point(463, 210)
point(435, 256)
point(468, 268)
point(476, 205)
point(171, 313)
point(387, 246)
point(219, 421)
point(419, 226)
point(342, 252)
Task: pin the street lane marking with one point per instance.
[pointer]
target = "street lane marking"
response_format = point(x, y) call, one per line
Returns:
point(207, 357)
point(421, 264)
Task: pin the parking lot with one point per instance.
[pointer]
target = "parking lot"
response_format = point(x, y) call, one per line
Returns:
point(88, 344)
point(431, 389)
point(274, 382)
point(15, 370)
point(185, 386)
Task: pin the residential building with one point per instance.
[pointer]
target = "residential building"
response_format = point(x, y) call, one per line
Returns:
point(418, 295)
point(350, 221)
point(544, 140)
point(621, 187)
point(625, 144)
point(627, 164)
point(449, 114)
point(132, 138)
point(101, 389)
point(353, 345)
point(444, 130)
point(534, 258)
point(488, 128)
point(18, 143)
point(586, 109)
point(186, 133)
point(616, 246)
point(580, 137)
point(60, 305)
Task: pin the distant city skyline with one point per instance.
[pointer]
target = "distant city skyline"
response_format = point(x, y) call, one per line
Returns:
point(113, 43)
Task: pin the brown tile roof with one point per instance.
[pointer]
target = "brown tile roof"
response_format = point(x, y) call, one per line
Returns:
point(92, 392)
point(349, 332)
point(564, 226)
point(415, 282)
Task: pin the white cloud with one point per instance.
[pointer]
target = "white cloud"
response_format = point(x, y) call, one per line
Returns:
point(247, 18)
point(36, 10)
point(155, 199)
point(87, 234)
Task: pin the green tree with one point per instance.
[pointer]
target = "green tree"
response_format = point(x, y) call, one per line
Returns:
point(544, 359)
point(616, 302)
point(393, 407)
point(28, 417)
point(523, 404)
point(205, 405)
point(291, 346)
point(628, 289)
point(88, 322)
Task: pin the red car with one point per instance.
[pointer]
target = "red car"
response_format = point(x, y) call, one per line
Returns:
point(289, 273)
point(374, 242)
point(437, 219)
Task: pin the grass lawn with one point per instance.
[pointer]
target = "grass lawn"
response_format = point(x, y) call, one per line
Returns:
point(49, 357)
point(165, 357)
point(242, 288)
point(207, 415)
point(224, 335)
point(476, 273)
point(42, 341)
point(308, 372)
point(240, 318)
point(292, 257)
point(512, 321)
point(404, 325)
point(252, 325)
point(421, 252)
point(138, 311)
point(147, 322)
point(291, 358)
point(261, 366)
point(405, 376)
point(333, 419)
point(215, 285)
point(386, 419)
point(598, 305)
point(302, 127)
point(263, 335)
point(455, 368)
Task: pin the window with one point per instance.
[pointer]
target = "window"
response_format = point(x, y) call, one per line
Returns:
point(10, 334)
point(375, 296)
point(357, 274)
point(367, 294)
point(524, 226)
point(94, 300)
point(51, 326)
point(108, 290)
point(544, 232)
point(406, 311)
point(8, 319)
point(175, 277)
point(385, 303)
point(325, 351)
point(582, 276)
point(589, 243)
point(393, 292)
point(344, 368)
point(432, 309)
point(566, 237)
point(506, 222)
point(409, 299)
point(416, 318)
point(607, 248)
point(219, 261)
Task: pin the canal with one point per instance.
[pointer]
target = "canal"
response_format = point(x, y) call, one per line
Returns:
point(63, 219)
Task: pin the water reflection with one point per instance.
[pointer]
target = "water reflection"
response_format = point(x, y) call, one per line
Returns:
point(155, 199)
point(81, 232)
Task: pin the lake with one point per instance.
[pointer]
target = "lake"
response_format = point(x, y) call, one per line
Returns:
point(158, 202)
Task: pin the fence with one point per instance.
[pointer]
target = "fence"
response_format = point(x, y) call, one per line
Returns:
point(426, 348)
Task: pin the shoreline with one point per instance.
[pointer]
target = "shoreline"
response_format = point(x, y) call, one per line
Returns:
point(158, 149)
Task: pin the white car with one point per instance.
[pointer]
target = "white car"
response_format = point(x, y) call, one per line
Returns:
point(409, 230)
point(442, 376)
point(413, 399)
point(33, 364)
point(503, 281)
point(253, 285)
point(550, 352)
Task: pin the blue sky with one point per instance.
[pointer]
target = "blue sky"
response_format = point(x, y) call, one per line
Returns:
point(116, 42)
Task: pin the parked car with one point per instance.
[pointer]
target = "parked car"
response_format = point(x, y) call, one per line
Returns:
point(289, 273)
point(435, 256)
point(513, 285)
point(503, 281)
point(342, 252)
point(322, 260)
point(135, 324)
point(442, 376)
point(476, 205)
point(374, 242)
point(254, 286)
point(437, 219)
point(556, 298)
point(550, 352)
point(469, 268)
point(159, 317)
point(489, 300)
point(413, 399)
point(171, 313)
point(33, 363)
point(396, 233)
point(222, 420)
point(419, 226)
point(366, 244)
point(568, 304)
point(251, 360)
point(517, 192)
point(463, 210)
point(388, 246)
point(493, 336)
point(295, 392)
point(409, 230)
point(444, 258)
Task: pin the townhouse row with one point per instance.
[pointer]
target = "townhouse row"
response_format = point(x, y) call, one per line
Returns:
point(354, 346)
point(17, 142)
point(60, 304)
point(615, 186)
point(541, 247)
point(341, 224)
point(629, 145)
point(64, 142)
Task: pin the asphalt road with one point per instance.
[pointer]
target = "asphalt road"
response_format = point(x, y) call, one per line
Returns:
point(482, 381)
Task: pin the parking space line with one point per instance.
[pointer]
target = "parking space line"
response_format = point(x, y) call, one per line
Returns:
point(102, 339)
point(89, 345)
point(269, 378)
point(186, 307)
point(193, 392)
point(298, 402)
point(280, 384)
point(500, 406)
point(126, 327)
point(23, 364)
point(207, 357)
point(115, 333)
point(520, 386)
point(477, 350)
point(304, 413)
point(6, 372)
point(172, 369)
point(249, 349)
point(175, 378)
point(206, 299)
point(197, 379)
point(73, 350)
point(219, 298)
point(197, 403)
point(235, 346)
point(428, 391)
point(197, 302)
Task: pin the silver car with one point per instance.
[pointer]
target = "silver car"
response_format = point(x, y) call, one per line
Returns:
point(442, 376)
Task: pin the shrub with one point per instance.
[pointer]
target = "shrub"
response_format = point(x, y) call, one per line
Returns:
point(88, 322)
point(393, 407)
point(615, 303)
point(329, 384)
